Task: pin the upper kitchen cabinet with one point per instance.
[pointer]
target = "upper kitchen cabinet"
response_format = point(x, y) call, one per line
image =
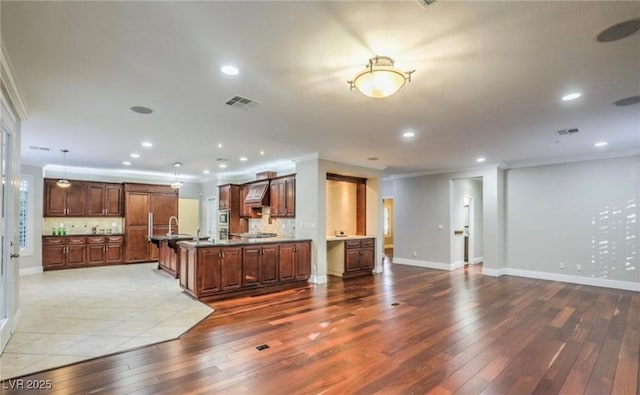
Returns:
point(283, 196)
point(105, 200)
point(224, 199)
point(64, 202)
point(246, 211)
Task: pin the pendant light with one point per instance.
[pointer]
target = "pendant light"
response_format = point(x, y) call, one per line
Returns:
point(63, 182)
point(177, 184)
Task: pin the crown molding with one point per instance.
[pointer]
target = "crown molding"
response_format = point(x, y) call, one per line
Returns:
point(8, 79)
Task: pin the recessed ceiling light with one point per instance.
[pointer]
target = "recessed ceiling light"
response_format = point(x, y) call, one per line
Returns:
point(600, 144)
point(135, 156)
point(205, 172)
point(571, 96)
point(243, 159)
point(141, 110)
point(261, 152)
point(222, 165)
point(219, 145)
point(176, 164)
point(481, 159)
point(147, 144)
point(408, 134)
point(126, 163)
point(229, 70)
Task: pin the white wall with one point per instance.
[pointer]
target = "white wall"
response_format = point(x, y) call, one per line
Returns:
point(583, 213)
point(422, 203)
point(31, 263)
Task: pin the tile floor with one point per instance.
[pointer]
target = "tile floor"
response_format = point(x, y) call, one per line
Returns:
point(72, 315)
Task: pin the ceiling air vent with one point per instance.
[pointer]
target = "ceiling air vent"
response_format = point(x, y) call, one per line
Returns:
point(627, 101)
point(39, 148)
point(241, 102)
point(566, 132)
point(425, 3)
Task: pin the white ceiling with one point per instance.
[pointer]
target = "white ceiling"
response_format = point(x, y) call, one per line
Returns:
point(488, 82)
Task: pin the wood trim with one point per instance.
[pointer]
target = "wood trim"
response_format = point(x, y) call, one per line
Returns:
point(361, 210)
point(7, 76)
point(340, 177)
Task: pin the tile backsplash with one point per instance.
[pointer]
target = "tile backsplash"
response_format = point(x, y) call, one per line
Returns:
point(281, 226)
point(83, 225)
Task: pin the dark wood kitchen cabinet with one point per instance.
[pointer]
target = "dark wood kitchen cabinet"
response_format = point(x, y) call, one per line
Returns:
point(359, 257)
point(216, 272)
point(283, 197)
point(260, 265)
point(294, 262)
point(141, 200)
point(104, 200)
point(62, 252)
point(64, 202)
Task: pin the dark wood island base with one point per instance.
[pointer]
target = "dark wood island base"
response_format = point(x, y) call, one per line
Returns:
point(218, 271)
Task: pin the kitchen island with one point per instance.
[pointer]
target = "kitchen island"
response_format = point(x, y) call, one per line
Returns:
point(168, 256)
point(227, 268)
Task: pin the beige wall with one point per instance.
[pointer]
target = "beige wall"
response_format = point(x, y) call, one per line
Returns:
point(188, 216)
point(341, 207)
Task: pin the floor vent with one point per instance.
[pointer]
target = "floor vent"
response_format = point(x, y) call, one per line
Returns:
point(242, 102)
point(262, 347)
point(395, 304)
point(566, 132)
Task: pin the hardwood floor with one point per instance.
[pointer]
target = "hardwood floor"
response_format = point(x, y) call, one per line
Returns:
point(455, 332)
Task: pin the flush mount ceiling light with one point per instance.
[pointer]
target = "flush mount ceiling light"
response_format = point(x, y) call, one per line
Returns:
point(63, 182)
point(380, 79)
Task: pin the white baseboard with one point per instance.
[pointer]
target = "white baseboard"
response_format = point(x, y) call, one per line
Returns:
point(457, 265)
point(318, 279)
point(565, 278)
point(427, 264)
point(477, 260)
point(30, 270)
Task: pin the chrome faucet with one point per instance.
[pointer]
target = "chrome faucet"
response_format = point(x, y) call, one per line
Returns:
point(177, 224)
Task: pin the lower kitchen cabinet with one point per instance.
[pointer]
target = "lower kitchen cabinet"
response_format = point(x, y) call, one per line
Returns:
point(221, 271)
point(62, 252)
point(351, 258)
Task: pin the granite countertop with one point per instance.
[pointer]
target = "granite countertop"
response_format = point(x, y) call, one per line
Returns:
point(86, 234)
point(341, 238)
point(179, 237)
point(241, 242)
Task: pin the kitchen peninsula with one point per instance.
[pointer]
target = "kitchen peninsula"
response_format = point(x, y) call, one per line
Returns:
point(222, 269)
point(168, 256)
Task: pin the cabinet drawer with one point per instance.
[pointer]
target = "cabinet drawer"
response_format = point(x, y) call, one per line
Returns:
point(352, 244)
point(115, 239)
point(76, 240)
point(95, 240)
point(54, 240)
point(368, 242)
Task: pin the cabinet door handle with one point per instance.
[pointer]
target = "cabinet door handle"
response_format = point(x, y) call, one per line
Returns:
point(222, 254)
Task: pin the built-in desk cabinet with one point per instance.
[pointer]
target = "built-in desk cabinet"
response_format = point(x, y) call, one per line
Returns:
point(351, 257)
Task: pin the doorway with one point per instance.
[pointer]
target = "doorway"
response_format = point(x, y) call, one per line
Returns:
point(387, 205)
point(466, 222)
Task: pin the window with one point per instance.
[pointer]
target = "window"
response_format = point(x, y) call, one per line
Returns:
point(25, 215)
point(387, 230)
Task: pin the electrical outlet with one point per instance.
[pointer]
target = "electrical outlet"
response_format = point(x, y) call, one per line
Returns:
point(440, 227)
point(562, 265)
point(579, 267)
point(415, 253)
